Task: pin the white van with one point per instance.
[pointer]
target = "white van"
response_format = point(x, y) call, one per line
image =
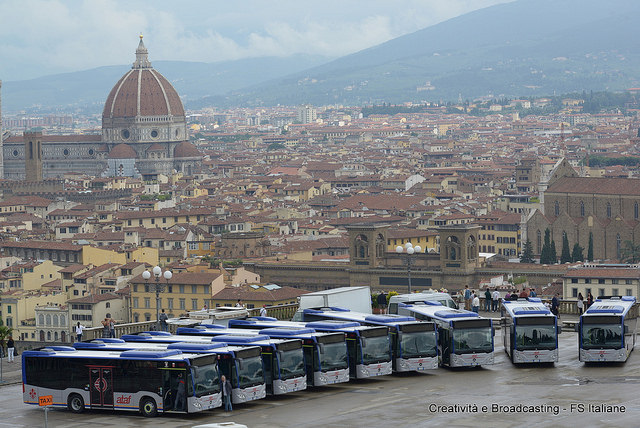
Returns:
point(427, 296)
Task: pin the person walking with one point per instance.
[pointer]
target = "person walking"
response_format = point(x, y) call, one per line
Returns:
point(589, 299)
point(79, 328)
point(163, 321)
point(239, 304)
point(475, 303)
point(487, 300)
point(555, 305)
point(382, 302)
point(495, 299)
point(226, 393)
point(580, 304)
point(467, 298)
point(11, 348)
point(263, 311)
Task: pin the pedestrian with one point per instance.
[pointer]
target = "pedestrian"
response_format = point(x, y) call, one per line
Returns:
point(589, 299)
point(495, 299)
point(532, 293)
point(181, 394)
point(239, 304)
point(11, 348)
point(106, 330)
point(507, 296)
point(467, 298)
point(475, 303)
point(163, 321)
point(263, 311)
point(580, 303)
point(112, 327)
point(523, 294)
point(487, 300)
point(226, 393)
point(554, 305)
point(79, 328)
point(382, 302)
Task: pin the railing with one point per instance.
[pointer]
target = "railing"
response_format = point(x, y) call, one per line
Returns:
point(567, 307)
point(281, 312)
point(120, 329)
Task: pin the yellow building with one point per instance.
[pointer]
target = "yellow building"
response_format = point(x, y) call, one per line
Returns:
point(500, 234)
point(426, 239)
point(99, 256)
point(162, 219)
point(17, 310)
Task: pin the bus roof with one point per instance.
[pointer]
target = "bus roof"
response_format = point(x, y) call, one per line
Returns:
point(442, 312)
point(612, 306)
point(346, 314)
point(131, 354)
point(526, 307)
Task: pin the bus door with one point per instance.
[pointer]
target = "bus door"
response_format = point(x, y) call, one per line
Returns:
point(101, 386)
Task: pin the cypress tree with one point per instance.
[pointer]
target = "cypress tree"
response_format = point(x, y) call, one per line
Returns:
point(590, 248)
point(527, 253)
point(565, 255)
point(545, 254)
point(576, 254)
point(553, 257)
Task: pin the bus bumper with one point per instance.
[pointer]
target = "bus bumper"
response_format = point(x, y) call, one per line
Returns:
point(371, 370)
point(416, 364)
point(471, 360)
point(331, 377)
point(290, 385)
point(533, 356)
point(249, 394)
point(206, 402)
point(602, 355)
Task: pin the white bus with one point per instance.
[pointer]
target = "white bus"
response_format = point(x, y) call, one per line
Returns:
point(529, 331)
point(607, 330)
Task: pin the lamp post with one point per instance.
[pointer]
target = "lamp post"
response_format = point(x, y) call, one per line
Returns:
point(409, 250)
point(159, 287)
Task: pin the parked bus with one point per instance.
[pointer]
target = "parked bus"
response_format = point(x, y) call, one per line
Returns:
point(607, 330)
point(444, 299)
point(137, 380)
point(368, 347)
point(242, 366)
point(325, 354)
point(465, 339)
point(413, 343)
point(529, 331)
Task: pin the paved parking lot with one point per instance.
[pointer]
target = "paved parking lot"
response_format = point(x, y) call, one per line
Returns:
point(565, 394)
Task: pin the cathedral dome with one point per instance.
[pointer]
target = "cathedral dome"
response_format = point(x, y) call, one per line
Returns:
point(186, 150)
point(122, 151)
point(142, 91)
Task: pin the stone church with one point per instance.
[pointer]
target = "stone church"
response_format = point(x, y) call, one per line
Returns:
point(606, 208)
point(144, 133)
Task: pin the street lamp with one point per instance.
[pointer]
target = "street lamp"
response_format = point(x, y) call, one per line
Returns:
point(409, 250)
point(157, 273)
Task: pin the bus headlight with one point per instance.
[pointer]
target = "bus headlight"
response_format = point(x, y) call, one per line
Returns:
point(404, 365)
point(241, 395)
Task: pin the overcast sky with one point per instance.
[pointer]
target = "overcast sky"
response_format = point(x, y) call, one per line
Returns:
point(40, 37)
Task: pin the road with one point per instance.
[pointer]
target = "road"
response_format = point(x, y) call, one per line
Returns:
point(556, 395)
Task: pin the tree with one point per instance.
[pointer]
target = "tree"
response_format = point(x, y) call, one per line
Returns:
point(590, 247)
point(576, 254)
point(630, 253)
point(545, 254)
point(565, 255)
point(553, 258)
point(4, 333)
point(527, 253)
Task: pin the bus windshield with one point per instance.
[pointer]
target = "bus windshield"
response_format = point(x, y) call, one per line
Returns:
point(205, 378)
point(536, 337)
point(418, 344)
point(250, 371)
point(375, 349)
point(602, 336)
point(333, 356)
point(291, 363)
point(469, 340)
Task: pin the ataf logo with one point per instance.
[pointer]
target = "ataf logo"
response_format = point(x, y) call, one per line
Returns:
point(32, 394)
point(123, 399)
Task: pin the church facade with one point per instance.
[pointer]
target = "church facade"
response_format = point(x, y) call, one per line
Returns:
point(144, 134)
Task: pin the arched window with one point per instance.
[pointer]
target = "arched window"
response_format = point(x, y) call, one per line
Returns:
point(48, 319)
point(608, 210)
point(41, 319)
point(55, 336)
point(538, 242)
point(55, 321)
point(635, 211)
point(108, 305)
point(63, 321)
point(618, 246)
point(556, 208)
point(48, 335)
point(581, 209)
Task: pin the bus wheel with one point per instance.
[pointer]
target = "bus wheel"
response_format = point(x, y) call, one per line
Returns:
point(148, 407)
point(75, 403)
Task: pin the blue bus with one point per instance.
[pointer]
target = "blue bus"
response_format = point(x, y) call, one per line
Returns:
point(135, 380)
point(368, 347)
point(413, 343)
point(325, 354)
point(465, 339)
point(607, 330)
point(529, 331)
point(242, 366)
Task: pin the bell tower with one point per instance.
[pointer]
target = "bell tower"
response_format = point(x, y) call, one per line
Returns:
point(459, 248)
point(33, 156)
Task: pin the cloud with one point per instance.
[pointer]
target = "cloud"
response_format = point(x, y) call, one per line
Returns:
point(39, 37)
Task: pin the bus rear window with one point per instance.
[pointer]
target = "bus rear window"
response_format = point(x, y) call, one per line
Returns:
point(601, 319)
point(535, 320)
point(374, 332)
point(422, 326)
point(289, 345)
point(331, 338)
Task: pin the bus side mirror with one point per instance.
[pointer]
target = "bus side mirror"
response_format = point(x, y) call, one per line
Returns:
point(626, 330)
point(576, 327)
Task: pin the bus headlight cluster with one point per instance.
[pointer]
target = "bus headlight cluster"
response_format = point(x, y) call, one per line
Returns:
point(197, 405)
point(241, 396)
point(404, 365)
